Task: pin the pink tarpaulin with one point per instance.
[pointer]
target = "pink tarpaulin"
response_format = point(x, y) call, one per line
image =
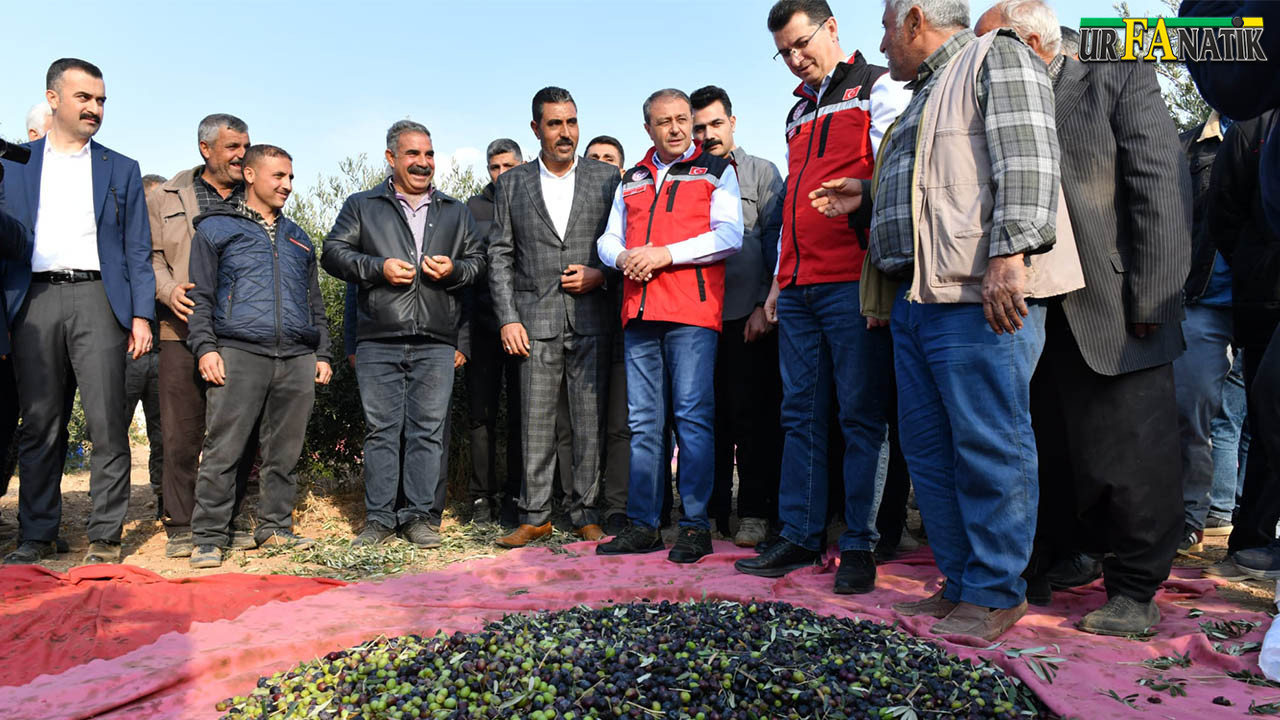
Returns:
point(183, 675)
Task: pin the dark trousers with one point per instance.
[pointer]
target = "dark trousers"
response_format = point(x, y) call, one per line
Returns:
point(579, 366)
point(282, 392)
point(1108, 448)
point(66, 335)
point(891, 519)
point(142, 385)
point(8, 422)
point(617, 464)
point(487, 371)
point(182, 415)
point(1259, 506)
point(748, 398)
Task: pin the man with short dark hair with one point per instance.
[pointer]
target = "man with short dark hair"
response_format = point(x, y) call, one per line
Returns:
point(607, 149)
point(222, 140)
point(82, 300)
point(413, 250)
point(675, 218)
point(748, 386)
point(259, 331)
point(549, 293)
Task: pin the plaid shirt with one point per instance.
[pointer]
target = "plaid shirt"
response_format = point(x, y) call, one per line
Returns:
point(206, 196)
point(257, 217)
point(1016, 99)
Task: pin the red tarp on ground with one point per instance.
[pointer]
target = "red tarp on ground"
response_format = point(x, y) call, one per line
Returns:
point(183, 675)
point(50, 621)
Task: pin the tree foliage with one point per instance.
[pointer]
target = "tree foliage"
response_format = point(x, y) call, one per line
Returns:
point(1185, 105)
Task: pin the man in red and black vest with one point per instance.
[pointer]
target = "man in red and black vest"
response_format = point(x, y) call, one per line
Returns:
point(833, 130)
point(676, 217)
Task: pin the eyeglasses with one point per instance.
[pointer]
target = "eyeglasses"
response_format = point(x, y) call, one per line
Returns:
point(800, 45)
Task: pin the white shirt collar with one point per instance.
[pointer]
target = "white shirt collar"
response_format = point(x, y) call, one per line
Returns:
point(48, 149)
point(547, 174)
point(657, 161)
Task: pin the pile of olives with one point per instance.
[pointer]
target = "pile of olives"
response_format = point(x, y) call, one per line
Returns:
point(694, 661)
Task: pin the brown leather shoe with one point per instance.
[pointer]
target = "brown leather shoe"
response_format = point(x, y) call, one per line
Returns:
point(590, 532)
point(934, 605)
point(524, 535)
point(979, 622)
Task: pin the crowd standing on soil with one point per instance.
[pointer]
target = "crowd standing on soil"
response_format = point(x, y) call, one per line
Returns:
point(989, 273)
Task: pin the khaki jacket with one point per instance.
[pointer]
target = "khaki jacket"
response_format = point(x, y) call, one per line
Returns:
point(172, 207)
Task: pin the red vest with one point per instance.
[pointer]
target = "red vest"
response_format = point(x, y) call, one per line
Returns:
point(679, 210)
point(824, 142)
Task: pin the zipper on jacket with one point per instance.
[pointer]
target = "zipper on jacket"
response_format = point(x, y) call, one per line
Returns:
point(648, 235)
point(275, 272)
point(795, 199)
point(231, 298)
point(671, 195)
point(702, 286)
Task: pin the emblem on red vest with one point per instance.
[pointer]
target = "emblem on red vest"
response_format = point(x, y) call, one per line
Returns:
point(640, 175)
point(852, 93)
point(799, 111)
point(698, 171)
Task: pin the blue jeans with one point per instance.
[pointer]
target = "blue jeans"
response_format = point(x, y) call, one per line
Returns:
point(676, 362)
point(1199, 375)
point(405, 390)
point(1230, 444)
point(824, 342)
point(965, 427)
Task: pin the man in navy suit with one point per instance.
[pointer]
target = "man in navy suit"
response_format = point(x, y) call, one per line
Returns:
point(82, 298)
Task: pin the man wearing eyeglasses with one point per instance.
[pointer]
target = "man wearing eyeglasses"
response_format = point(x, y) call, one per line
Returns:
point(833, 130)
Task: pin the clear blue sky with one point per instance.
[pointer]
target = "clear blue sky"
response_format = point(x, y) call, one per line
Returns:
point(324, 78)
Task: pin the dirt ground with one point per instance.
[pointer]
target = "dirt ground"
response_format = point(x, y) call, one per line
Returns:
point(333, 519)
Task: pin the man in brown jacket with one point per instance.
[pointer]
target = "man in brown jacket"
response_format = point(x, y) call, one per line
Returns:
point(173, 207)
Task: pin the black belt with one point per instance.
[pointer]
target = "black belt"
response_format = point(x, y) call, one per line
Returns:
point(59, 277)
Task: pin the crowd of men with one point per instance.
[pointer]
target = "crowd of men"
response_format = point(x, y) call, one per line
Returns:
point(989, 273)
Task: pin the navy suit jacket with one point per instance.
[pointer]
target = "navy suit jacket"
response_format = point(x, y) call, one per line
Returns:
point(124, 233)
point(15, 246)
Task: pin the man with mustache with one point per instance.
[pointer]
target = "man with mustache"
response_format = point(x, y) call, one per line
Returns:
point(748, 387)
point(675, 218)
point(83, 298)
point(173, 207)
point(259, 331)
point(413, 250)
point(553, 308)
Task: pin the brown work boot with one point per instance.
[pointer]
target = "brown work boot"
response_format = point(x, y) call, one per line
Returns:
point(101, 551)
point(934, 605)
point(980, 622)
point(524, 535)
point(591, 532)
point(1123, 617)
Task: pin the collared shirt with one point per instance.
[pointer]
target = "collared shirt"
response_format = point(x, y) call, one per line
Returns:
point(268, 225)
point(66, 234)
point(207, 195)
point(415, 214)
point(722, 240)
point(1055, 68)
point(557, 194)
point(1016, 99)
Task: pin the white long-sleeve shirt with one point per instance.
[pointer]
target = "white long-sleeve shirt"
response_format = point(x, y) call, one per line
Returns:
point(722, 240)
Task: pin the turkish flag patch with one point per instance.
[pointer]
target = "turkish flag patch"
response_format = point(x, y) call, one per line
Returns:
point(852, 93)
point(698, 171)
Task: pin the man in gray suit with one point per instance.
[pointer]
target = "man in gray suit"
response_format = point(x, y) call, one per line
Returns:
point(1103, 395)
point(550, 296)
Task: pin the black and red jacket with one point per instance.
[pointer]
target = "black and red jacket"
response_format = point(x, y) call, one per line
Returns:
point(679, 210)
point(826, 140)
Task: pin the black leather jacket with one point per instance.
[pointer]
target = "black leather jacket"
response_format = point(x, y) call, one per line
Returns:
point(370, 228)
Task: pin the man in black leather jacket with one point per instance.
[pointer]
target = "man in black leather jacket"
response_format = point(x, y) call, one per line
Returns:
point(412, 250)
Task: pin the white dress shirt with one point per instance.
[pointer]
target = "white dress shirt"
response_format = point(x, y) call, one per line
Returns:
point(557, 194)
point(722, 240)
point(66, 226)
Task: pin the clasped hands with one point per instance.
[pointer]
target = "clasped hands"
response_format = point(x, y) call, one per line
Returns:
point(639, 264)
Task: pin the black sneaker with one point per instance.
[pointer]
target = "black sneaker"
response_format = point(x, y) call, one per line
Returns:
point(30, 552)
point(857, 572)
point(633, 539)
point(421, 533)
point(779, 559)
point(1192, 541)
point(1261, 563)
point(693, 544)
point(373, 533)
point(615, 524)
point(1074, 571)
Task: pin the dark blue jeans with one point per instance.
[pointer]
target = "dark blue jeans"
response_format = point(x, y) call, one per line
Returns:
point(823, 342)
point(965, 425)
point(669, 362)
point(405, 389)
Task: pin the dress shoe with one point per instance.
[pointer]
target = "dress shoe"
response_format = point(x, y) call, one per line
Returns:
point(590, 532)
point(101, 551)
point(1122, 616)
point(30, 552)
point(751, 532)
point(206, 556)
point(934, 606)
point(484, 510)
point(1074, 571)
point(615, 523)
point(980, 622)
point(857, 573)
point(178, 545)
point(374, 533)
point(781, 558)
point(422, 533)
point(524, 535)
point(284, 538)
point(633, 539)
point(693, 544)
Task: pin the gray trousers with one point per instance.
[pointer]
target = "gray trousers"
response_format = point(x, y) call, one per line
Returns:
point(581, 363)
point(64, 336)
point(283, 391)
point(142, 384)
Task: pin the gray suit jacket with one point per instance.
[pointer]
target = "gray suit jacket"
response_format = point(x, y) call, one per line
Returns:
point(1128, 193)
point(527, 255)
